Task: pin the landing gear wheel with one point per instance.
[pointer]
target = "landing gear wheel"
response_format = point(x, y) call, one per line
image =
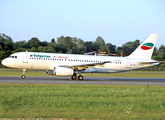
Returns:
point(80, 77)
point(23, 76)
point(74, 77)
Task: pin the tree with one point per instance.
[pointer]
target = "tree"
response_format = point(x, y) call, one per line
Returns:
point(53, 40)
point(129, 47)
point(80, 43)
point(111, 48)
point(6, 42)
point(33, 42)
point(162, 48)
point(101, 43)
point(33, 49)
point(75, 50)
point(50, 48)
point(60, 48)
point(74, 40)
point(20, 44)
point(44, 43)
point(20, 49)
point(61, 40)
point(89, 46)
point(69, 42)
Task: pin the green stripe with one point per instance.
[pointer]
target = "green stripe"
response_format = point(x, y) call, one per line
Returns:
point(149, 44)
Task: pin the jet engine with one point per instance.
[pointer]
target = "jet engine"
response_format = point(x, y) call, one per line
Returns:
point(61, 71)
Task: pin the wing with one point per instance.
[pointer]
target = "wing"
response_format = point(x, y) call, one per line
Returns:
point(85, 66)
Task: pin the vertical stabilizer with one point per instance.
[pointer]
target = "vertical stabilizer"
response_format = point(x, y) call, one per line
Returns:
point(145, 50)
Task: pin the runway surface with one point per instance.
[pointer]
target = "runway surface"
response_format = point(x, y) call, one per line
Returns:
point(87, 80)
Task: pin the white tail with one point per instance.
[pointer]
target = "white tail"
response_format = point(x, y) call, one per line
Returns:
point(145, 50)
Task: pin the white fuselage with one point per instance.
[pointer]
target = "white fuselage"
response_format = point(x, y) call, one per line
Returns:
point(46, 61)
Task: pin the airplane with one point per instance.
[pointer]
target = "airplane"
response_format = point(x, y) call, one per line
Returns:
point(72, 64)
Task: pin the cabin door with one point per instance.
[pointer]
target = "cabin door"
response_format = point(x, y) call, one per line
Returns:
point(25, 58)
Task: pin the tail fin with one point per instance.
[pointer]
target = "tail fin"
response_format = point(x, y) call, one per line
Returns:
point(145, 50)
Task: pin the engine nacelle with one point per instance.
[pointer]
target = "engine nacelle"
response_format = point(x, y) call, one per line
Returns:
point(61, 71)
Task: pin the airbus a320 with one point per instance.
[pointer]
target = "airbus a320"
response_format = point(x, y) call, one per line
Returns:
point(74, 65)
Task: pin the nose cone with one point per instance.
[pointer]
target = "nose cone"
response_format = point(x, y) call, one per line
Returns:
point(4, 62)
point(8, 62)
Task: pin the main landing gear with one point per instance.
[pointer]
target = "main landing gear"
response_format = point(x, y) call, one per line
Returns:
point(74, 77)
point(23, 76)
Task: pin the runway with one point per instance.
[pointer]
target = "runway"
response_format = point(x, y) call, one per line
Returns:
point(87, 80)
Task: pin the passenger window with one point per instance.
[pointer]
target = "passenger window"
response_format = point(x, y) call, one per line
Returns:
point(15, 56)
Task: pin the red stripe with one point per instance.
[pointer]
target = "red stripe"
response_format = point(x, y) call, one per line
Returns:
point(145, 47)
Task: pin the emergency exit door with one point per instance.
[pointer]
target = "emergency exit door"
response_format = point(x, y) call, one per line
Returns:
point(128, 64)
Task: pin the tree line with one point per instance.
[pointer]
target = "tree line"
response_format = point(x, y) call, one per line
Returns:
point(72, 45)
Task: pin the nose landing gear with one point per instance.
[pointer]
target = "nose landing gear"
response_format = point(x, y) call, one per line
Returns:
point(23, 76)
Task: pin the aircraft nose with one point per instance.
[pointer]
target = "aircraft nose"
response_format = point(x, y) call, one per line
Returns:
point(4, 62)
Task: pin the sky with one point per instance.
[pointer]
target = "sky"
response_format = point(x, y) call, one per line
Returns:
point(116, 21)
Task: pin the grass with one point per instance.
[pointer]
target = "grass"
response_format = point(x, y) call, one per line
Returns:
point(81, 101)
point(41, 73)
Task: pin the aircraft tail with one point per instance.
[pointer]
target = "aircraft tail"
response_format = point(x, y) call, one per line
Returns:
point(145, 50)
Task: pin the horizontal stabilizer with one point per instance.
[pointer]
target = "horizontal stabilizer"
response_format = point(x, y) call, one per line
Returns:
point(149, 63)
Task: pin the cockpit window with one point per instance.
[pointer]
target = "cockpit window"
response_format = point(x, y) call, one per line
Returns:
point(12, 56)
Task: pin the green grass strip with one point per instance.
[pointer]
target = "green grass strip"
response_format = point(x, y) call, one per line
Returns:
point(82, 101)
